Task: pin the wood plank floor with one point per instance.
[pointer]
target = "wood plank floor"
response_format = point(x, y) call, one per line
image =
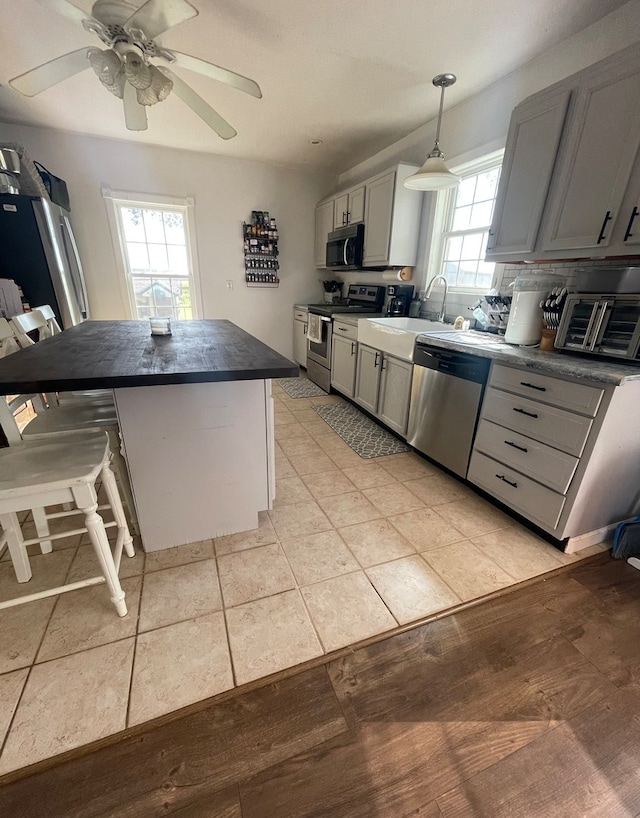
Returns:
point(526, 706)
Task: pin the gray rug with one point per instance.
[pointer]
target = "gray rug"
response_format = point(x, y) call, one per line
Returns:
point(364, 435)
point(301, 388)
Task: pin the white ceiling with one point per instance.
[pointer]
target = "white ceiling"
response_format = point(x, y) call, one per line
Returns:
point(355, 74)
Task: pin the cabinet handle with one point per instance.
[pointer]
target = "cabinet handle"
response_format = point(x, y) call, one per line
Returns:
point(348, 216)
point(515, 446)
point(504, 480)
point(628, 232)
point(305, 329)
point(533, 386)
point(342, 329)
point(375, 362)
point(353, 348)
point(607, 218)
point(524, 412)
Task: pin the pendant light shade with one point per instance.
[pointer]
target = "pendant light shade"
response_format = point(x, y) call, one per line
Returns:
point(434, 174)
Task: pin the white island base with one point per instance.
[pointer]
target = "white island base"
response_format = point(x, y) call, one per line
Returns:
point(201, 458)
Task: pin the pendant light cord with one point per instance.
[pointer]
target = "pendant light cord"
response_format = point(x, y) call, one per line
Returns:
point(437, 142)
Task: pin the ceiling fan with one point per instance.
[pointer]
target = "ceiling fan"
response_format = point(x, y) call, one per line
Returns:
point(127, 68)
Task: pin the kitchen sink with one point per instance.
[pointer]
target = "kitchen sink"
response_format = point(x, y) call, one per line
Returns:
point(396, 336)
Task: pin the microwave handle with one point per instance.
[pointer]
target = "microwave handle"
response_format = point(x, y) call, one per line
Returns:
point(344, 251)
point(599, 315)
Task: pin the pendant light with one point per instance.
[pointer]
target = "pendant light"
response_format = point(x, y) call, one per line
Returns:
point(434, 174)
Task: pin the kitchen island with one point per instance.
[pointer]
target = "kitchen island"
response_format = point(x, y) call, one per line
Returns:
point(195, 413)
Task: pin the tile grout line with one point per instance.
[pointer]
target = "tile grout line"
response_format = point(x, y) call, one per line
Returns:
point(135, 640)
point(234, 677)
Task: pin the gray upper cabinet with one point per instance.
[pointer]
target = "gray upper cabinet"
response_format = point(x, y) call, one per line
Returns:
point(324, 225)
point(530, 156)
point(391, 215)
point(349, 207)
point(570, 182)
point(392, 220)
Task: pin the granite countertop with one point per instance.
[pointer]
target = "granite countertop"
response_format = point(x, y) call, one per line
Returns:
point(554, 362)
point(113, 354)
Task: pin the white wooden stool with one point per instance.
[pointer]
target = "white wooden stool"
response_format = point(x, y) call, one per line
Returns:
point(36, 474)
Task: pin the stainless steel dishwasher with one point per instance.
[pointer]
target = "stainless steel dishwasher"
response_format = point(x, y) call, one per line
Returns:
point(446, 393)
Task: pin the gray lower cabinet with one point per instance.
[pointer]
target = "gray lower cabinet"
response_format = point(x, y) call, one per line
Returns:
point(383, 387)
point(300, 337)
point(343, 364)
point(559, 451)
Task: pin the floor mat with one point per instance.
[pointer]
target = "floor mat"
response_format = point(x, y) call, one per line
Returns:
point(364, 435)
point(300, 388)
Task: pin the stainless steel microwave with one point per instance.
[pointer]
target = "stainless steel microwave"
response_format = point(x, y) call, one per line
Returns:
point(600, 324)
point(345, 248)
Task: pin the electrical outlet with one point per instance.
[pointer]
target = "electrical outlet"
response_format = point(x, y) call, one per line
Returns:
point(229, 285)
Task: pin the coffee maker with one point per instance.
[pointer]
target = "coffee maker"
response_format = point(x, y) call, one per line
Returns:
point(399, 299)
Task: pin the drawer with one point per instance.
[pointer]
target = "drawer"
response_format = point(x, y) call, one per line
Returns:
point(300, 315)
point(548, 466)
point(576, 397)
point(533, 501)
point(562, 430)
point(345, 330)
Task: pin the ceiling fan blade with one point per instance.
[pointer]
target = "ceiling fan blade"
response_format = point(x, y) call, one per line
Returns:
point(135, 115)
point(216, 73)
point(66, 9)
point(200, 107)
point(157, 16)
point(51, 73)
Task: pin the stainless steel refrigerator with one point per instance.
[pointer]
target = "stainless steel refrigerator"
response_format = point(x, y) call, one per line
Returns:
point(38, 251)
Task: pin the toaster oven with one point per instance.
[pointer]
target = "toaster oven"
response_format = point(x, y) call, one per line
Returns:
point(600, 324)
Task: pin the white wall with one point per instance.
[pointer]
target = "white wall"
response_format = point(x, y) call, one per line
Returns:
point(225, 193)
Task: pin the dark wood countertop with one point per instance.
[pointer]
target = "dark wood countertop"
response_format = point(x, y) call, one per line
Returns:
point(112, 354)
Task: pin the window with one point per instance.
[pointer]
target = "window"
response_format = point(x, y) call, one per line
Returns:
point(466, 220)
point(154, 240)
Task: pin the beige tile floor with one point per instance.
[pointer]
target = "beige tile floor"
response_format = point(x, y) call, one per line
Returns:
point(352, 548)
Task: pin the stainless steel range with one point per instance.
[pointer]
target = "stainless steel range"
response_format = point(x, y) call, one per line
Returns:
point(362, 298)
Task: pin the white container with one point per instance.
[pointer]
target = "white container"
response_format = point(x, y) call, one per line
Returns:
point(524, 327)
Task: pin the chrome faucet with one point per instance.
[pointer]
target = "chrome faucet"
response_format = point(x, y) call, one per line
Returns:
point(444, 297)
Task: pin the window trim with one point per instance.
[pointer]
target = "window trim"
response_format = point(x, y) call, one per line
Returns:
point(443, 215)
point(149, 201)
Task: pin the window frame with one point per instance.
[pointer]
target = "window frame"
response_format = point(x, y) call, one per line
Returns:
point(186, 205)
point(443, 218)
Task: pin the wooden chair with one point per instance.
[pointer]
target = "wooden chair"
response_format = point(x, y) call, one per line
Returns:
point(68, 419)
point(42, 322)
point(36, 474)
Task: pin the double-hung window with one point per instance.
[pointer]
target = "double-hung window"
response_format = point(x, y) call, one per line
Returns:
point(465, 220)
point(155, 241)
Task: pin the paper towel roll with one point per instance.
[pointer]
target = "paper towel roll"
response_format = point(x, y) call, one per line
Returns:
point(404, 274)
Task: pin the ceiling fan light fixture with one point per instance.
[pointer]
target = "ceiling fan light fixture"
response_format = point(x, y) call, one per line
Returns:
point(137, 72)
point(108, 68)
point(434, 174)
point(158, 90)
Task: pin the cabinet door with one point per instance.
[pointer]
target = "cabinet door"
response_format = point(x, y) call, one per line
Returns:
point(626, 237)
point(341, 211)
point(378, 216)
point(368, 377)
point(324, 225)
point(343, 365)
point(356, 205)
point(300, 343)
point(530, 156)
point(596, 160)
point(395, 392)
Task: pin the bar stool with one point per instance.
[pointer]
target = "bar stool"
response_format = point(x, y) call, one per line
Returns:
point(42, 321)
point(45, 473)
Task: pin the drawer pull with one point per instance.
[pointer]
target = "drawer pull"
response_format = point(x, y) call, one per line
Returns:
point(504, 480)
point(342, 329)
point(515, 446)
point(524, 412)
point(533, 386)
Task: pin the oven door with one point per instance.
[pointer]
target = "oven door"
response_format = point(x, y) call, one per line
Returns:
point(321, 352)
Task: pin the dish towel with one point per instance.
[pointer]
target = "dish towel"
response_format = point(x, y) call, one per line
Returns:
point(314, 329)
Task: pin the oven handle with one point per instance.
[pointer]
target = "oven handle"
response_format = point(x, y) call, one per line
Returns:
point(324, 318)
